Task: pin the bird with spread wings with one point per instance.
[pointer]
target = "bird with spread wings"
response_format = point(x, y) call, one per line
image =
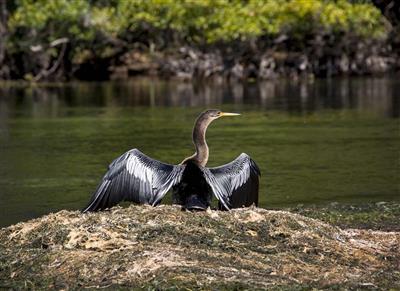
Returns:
point(140, 179)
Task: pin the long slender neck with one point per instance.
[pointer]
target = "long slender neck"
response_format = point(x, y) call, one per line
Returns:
point(199, 140)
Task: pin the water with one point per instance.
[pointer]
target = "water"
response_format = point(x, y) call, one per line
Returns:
point(315, 142)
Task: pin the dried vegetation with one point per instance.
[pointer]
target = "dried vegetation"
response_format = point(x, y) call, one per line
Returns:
point(165, 247)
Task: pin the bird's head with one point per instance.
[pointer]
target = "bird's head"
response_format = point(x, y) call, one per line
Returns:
point(213, 114)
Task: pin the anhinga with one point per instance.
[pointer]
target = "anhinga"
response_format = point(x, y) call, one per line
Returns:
point(138, 178)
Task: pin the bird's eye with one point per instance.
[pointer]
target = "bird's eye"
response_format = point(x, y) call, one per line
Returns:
point(218, 113)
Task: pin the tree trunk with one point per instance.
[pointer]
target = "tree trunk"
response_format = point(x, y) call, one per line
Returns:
point(3, 34)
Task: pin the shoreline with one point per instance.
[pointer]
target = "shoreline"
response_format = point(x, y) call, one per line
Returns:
point(191, 63)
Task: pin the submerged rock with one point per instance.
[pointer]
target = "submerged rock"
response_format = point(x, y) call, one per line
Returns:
point(161, 247)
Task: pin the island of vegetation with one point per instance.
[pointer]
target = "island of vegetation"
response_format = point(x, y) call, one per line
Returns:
point(166, 248)
point(99, 40)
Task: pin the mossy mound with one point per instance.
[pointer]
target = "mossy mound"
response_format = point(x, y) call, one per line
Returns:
point(164, 247)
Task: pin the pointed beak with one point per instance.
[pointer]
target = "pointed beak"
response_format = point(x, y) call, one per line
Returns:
point(228, 114)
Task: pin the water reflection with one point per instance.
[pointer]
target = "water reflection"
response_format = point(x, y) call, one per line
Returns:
point(295, 97)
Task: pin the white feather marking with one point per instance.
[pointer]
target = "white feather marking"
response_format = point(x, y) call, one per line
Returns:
point(139, 170)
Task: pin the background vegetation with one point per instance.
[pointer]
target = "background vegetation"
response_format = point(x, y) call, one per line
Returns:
point(42, 37)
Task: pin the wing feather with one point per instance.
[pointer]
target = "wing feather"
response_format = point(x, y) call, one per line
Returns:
point(236, 183)
point(134, 177)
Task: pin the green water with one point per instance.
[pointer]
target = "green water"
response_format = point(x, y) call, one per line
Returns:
point(331, 142)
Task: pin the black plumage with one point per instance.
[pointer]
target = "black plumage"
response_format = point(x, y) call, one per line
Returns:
point(138, 178)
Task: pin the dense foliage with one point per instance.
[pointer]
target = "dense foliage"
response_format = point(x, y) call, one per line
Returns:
point(193, 20)
point(102, 28)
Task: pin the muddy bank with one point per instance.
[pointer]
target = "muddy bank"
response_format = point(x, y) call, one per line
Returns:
point(164, 247)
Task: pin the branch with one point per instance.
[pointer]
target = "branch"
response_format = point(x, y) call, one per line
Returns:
point(47, 72)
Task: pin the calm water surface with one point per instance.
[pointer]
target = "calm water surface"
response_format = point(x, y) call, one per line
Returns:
point(315, 142)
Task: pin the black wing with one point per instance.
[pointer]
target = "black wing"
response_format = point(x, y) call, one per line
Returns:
point(235, 184)
point(134, 177)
